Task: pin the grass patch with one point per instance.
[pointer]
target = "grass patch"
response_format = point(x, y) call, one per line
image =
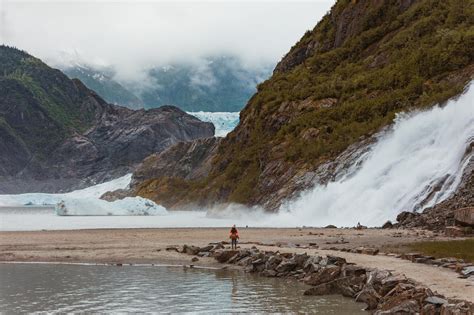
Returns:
point(463, 249)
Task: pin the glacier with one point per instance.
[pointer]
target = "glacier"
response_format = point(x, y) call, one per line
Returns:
point(87, 201)
point(224, 122)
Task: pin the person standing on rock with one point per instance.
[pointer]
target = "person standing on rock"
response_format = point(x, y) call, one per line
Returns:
point(234, 236)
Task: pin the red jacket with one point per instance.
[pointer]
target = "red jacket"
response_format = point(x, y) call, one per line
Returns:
point(234, 235)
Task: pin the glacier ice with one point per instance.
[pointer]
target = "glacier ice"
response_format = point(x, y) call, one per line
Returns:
point(87, 201)
point(94, 206)
point(224, 122)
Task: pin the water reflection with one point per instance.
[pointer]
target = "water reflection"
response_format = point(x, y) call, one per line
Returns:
point(72, 288)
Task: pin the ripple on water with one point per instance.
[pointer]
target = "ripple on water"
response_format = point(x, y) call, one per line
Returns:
point(77, 288)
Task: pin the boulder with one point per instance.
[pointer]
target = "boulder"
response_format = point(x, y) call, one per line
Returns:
point(286, 266)
point(334, 260)
point(245, 261)
point(406, 307)
point(430, 309)
point(223, 256)
point(322, 289)
point(269, 273)
point(324, 275)
point(239, 256)
point(190, 249)
point(404, 292)
point(207, 248)
point(436, 300)
point(369, 296)
point(234, 258)
point(370, 251)
point(410, 219)
point(273, 262)
point(387, 284)
point(300, 259)
point(411, 256)
point(468, 271)
point(172, 248)
point(387, 225)
point(465, 216)
point(462, 308)
point(352, 270)
point(454, 231)
point(258, 265)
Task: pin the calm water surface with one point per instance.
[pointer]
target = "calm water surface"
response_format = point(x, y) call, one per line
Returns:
point(82, 288)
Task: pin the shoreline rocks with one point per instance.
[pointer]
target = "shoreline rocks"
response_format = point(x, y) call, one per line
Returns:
point(384, 292)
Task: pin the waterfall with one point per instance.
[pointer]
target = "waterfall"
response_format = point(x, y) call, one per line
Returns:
point(417, 163)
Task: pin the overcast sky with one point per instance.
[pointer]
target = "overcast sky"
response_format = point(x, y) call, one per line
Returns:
point(133, 35)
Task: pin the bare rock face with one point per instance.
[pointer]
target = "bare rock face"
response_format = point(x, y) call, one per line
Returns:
point(123, 138)
point(465, 216)
point(187, 160)
point(113, 147)
point(158, 173)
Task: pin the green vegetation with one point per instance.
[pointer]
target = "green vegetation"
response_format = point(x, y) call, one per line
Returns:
point(39, 106)
point(396, 63)
point(462, 249)
point(376, 64)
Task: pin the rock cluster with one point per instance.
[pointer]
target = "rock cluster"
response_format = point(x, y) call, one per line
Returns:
point(384, 292)
point(457, 210)
point(465, 269)
point(454, 223)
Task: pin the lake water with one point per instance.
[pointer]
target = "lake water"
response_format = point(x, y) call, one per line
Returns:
point(34, 218)
point(28, 288)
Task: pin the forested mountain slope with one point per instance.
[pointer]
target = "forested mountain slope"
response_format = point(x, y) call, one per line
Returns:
point(345, 80)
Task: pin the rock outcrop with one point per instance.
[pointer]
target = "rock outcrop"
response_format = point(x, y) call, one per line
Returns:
point(57, 135)
point(444, 213)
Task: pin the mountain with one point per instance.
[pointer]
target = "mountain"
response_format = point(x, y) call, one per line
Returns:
point(101, 81)
point(56, 134)
point(338, 87)
point(212, 84)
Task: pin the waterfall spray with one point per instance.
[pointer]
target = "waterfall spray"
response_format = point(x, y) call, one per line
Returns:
point(417, 163)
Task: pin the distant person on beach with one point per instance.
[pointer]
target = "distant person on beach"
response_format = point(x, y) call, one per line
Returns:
point(234, 236)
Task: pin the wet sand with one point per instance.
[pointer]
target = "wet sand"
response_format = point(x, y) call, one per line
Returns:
point(131, 246)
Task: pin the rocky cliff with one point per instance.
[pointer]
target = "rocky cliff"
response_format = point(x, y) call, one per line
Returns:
point(344, 81)
point(56, 134)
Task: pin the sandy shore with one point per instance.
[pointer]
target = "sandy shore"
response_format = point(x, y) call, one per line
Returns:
point(149, 246)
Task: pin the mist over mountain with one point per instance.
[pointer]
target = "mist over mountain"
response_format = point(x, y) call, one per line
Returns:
point(102, 82)
point(213, 84)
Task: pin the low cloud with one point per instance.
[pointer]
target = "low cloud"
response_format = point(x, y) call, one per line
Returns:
point(134, 36)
